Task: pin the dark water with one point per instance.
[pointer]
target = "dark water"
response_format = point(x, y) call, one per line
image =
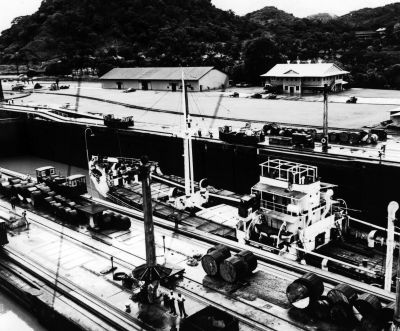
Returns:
point(16, 318)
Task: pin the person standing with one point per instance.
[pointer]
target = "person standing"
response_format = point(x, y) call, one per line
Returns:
point(166, 299)
point(13, 201)
point(181, 305)
point(172, 304)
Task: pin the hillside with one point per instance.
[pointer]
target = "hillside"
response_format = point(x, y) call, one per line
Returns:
point(143, 31)
point(373, 62)
point(73, 34)
point(373, 18)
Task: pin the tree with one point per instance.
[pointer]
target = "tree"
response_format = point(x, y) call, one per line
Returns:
point(259, 56)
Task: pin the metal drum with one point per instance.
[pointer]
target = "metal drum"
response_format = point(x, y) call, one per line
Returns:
point(368, 305)
point(305, 290)
point(106, 219)
point(233, 269)
point(212, 260)
point(321, 308)
point(220, 247)
point(342, 296)
point(343, 137)
point(387, 312)
point(371, 324)
point(355, 138)
point(249, 258)
point(125, 223)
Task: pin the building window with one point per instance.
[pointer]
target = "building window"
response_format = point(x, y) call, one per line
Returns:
point(297, 88)
point(286, 88)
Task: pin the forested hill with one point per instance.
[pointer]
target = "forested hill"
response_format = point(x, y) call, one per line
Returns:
point(153, 32)
point(67, 34)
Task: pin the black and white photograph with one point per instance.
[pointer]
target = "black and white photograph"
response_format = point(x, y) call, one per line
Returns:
point(199, 165)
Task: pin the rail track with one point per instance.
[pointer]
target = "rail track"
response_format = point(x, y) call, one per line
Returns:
point(115, 318)
point(281, 264)
point(66, 286)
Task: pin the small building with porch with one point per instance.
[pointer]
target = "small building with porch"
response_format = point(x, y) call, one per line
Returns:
point(299, 78)
point(165, 78)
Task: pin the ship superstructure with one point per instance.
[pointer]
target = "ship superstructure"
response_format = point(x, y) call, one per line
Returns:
point(294, 208)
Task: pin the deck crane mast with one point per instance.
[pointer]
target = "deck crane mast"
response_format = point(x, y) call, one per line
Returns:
point(325, 138)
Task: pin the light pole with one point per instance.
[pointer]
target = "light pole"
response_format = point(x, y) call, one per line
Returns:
point(87, 155)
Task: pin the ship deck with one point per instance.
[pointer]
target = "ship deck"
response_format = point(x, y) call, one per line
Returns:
point(133, 197)
point(356, 253)
point(80, 256)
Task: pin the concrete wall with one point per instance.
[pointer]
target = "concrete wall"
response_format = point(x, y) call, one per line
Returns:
point(364, 185)
point(214, 79)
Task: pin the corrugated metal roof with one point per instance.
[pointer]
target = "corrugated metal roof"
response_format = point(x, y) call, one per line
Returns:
point(305, 70)
point(157, 73)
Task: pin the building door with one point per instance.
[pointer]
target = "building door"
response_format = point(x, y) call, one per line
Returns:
point(173, 86)
point(145, 85)
point(119, 84)
point(291, 89)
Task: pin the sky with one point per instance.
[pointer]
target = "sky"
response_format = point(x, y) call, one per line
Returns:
point(9, 9)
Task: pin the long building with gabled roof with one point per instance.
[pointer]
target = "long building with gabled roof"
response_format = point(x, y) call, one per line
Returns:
point(165, 78)
point(298, 78)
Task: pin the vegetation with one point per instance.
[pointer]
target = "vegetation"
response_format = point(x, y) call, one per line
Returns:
point(76, 34)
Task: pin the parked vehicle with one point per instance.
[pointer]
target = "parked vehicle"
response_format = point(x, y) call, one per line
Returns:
point(352, 99)
point(271, 96)
point(234, 95)
point(256, 96)
point(242, 84)
point(128, 90)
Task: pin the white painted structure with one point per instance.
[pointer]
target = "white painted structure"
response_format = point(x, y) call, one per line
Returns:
point(296, 78)
point(295, 204)
point(165, 78)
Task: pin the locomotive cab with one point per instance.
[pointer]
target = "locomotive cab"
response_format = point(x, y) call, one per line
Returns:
point(45, 172)
point(75, 184)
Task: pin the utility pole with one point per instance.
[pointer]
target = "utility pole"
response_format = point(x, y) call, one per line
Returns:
point(325, 138)
point(392, 208)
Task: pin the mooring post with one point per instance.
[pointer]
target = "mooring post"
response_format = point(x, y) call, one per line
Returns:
point(392, 208)
point(396, 316)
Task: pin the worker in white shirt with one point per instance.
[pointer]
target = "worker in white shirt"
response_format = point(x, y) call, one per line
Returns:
point(181, 305)
point(172, 304)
